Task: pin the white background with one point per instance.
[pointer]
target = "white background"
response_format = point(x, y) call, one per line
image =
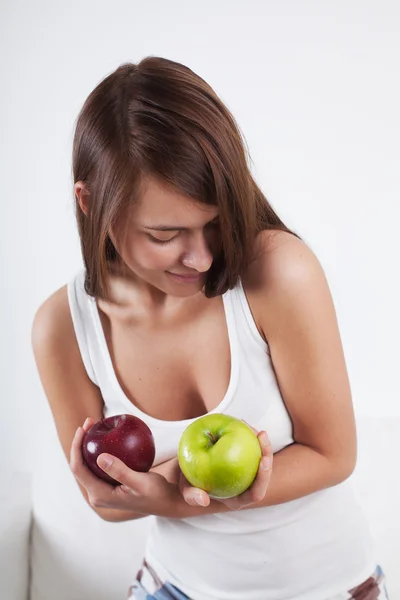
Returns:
point(315, 89)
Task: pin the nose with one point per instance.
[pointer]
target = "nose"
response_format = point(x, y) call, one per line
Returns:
point(199, 256)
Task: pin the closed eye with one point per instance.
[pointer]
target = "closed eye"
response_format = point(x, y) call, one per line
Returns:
point(214, 223)
point(157, 241)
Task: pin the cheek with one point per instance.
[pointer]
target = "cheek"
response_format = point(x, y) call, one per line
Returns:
point(151, 256)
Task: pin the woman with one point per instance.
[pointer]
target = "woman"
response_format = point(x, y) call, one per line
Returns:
point(163, 191)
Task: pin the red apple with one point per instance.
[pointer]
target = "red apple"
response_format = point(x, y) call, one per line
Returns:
point(124, 436)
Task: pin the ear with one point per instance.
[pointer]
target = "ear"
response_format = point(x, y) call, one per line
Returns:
point(82, 195)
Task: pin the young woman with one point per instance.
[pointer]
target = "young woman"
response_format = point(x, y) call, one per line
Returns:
point(195, 298)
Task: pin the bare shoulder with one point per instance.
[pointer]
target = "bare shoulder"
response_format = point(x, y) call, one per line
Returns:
point(54, 341)
point(66, 384)
point(285, 278)
point(52, 320)
point(285, 255)
point(55, 345)
point(283, 263)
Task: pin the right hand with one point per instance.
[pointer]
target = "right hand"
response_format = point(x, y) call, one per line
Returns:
point(144, 493)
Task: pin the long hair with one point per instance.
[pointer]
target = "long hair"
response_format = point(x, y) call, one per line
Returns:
point(159, 118)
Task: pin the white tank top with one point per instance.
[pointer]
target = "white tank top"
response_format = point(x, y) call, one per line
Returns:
point(311, 548)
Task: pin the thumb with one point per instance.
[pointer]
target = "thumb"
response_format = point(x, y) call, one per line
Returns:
point(117, 469)
point(193, 495)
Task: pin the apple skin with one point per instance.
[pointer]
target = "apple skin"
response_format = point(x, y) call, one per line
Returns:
point(219, 454)
point(124, 436)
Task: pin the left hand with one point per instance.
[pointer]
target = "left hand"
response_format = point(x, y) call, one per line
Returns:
point(255, 493)
point(145, 493)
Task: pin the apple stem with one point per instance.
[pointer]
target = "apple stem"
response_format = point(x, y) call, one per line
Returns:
point(212, 438)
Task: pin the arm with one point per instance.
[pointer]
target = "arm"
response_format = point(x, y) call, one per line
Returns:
point(71, 399)
point(299, 322)
point(298, 471)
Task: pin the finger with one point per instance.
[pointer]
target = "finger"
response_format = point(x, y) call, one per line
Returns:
point(258, 489)
point(193, 495)
point(256, 492)
point(89, 422)
point(117, 469)
point(265, 443)
point(81, 472)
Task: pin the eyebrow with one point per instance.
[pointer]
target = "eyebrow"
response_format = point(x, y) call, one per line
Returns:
point(173, 227)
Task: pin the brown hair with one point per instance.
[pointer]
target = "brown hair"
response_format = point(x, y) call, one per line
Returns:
point(159, 118)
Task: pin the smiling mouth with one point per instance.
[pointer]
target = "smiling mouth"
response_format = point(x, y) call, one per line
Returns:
point(186, 277)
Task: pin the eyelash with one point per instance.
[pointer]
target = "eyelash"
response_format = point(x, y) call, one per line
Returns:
point(153, 239)
point(157, 241)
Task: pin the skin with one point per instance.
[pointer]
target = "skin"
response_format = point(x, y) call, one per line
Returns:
point(293, 310)
point(143, 279)
point(152, 493)
point(144, 275)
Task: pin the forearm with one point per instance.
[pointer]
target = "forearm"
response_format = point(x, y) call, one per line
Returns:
point(297, 471)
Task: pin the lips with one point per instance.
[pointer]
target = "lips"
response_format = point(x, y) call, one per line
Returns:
point(188, 278)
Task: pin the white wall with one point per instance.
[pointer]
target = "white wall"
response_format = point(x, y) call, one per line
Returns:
point(315, 90)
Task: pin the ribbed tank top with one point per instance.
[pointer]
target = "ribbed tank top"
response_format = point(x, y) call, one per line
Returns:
point(310, 548)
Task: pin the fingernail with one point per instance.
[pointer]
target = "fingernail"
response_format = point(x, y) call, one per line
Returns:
point(264, 439)
point(199, 499)
point(85, 423)
point(105, 461)
point(266, 463)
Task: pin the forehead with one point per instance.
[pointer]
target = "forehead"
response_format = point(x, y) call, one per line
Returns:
point(160, 203)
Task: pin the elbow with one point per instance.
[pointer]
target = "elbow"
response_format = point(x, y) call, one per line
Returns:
point(105, 515)
point(344, 470)
point(112, 515)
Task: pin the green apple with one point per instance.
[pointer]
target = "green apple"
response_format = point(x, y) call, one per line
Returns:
point(219, 454)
